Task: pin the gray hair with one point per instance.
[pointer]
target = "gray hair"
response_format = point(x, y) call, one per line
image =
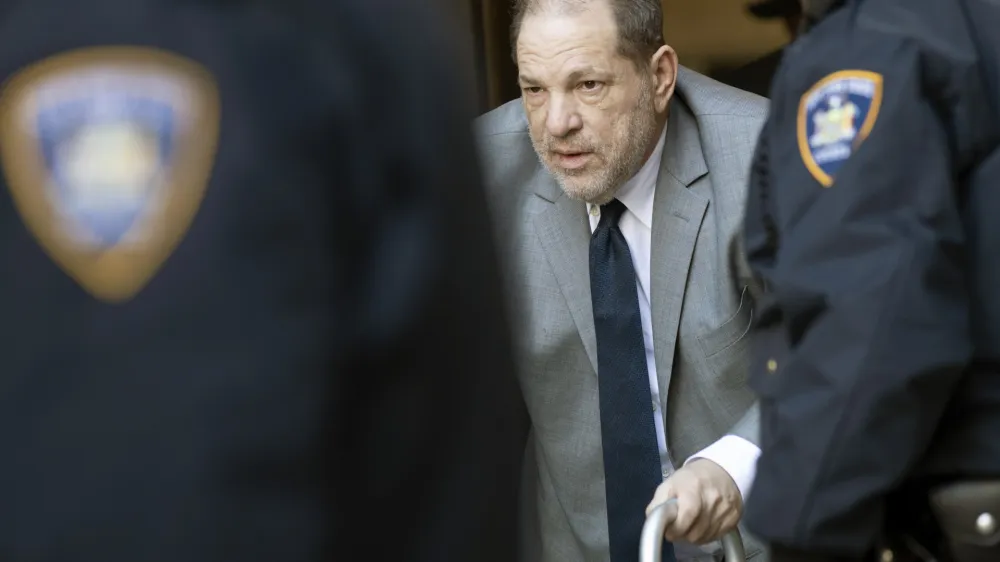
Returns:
point(640, 23)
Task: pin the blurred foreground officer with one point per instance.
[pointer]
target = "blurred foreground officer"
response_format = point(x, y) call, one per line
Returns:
point(872, 226)
point(249, 306)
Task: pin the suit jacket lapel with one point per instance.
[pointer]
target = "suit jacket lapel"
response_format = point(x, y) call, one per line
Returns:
point(564, 231)
point(677, 217)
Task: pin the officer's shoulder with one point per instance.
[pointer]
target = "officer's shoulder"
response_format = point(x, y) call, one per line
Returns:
point(714, 103)
point(931, 24)
point(936, 36)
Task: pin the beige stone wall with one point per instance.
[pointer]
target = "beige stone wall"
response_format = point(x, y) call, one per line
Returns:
point(718, 32)
point(705, 33)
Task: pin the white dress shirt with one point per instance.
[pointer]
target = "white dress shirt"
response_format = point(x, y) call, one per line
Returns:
point(735, 455)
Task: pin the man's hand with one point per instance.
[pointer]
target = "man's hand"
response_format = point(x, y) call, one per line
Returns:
point(709, 504)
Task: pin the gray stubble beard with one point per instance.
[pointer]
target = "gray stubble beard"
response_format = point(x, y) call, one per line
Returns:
point(628, 155)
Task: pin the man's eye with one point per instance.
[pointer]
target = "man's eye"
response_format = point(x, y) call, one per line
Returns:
point(532, 89)
point(590, 85)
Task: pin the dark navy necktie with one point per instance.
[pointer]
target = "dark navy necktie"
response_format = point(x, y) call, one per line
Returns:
point(632, 468)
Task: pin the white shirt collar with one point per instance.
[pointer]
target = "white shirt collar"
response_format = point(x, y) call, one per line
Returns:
point(637, 194)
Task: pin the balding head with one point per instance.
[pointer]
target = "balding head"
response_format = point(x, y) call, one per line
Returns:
point(639, 22)
point(595, 88)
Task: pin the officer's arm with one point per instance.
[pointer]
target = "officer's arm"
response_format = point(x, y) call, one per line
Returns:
point(869, 283)
point(431, 426)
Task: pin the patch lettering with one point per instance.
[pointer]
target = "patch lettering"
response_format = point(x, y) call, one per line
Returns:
point(834, 117)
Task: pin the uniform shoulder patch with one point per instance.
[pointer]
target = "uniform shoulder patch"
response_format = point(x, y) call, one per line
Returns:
point(835, 116)
point(107, 153)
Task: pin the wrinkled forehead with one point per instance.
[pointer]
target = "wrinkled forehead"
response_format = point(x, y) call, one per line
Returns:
point(553, 45)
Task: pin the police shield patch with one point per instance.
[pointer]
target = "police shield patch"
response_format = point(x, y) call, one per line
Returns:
point(834, 117)
point(107, 153)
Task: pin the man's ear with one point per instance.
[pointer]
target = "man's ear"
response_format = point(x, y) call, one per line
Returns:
point(664, 67)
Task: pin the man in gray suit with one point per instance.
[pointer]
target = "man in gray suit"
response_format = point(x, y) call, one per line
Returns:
point(617, 182)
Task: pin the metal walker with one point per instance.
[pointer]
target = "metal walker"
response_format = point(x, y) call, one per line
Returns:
point(651, 542)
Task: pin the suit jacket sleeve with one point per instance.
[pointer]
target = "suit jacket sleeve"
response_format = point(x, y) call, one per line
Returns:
point(748, 426)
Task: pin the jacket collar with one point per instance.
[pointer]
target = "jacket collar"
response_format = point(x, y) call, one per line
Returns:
point(813, 11)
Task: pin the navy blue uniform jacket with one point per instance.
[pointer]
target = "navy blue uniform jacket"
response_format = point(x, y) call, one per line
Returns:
point(872, 223)
point(318, 367)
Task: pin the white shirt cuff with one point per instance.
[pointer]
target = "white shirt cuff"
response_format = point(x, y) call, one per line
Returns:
point(735, 455)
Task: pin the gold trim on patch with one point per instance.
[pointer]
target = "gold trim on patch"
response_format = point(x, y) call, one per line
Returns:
point(802, 130)
point(117, 272)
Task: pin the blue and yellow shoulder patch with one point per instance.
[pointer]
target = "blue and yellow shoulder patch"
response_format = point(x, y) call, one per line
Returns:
point(834, 117)
point(107, 153)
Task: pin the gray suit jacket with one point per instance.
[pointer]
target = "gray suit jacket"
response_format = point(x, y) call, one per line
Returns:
point(700, 313)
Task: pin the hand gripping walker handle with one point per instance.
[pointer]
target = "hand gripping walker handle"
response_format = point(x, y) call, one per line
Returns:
point(651, 542)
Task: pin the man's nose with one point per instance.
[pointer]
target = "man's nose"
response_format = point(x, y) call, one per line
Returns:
point(563, 117)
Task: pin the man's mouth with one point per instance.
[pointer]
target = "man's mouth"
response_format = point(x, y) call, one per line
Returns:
point(570, 159)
